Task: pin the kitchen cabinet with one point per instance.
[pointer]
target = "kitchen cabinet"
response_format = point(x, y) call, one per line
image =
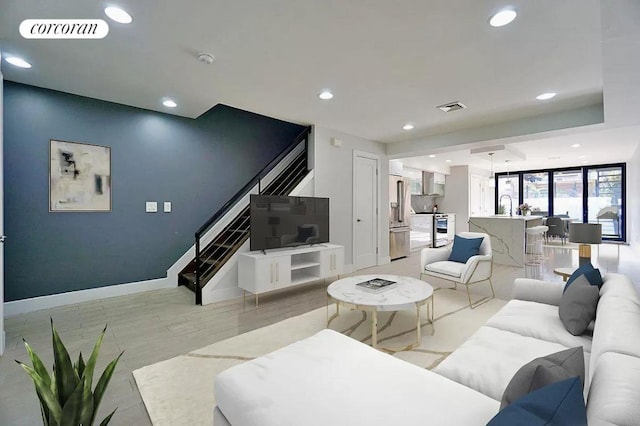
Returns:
point(422, 223)
point(421, 234)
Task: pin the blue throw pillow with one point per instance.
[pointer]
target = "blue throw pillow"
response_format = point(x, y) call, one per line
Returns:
point(580, 271)
point(560, 403)
point(594, 277)
point(464, 248)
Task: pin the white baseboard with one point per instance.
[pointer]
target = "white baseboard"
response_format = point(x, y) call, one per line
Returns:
point(17, 307)
point(383, 260)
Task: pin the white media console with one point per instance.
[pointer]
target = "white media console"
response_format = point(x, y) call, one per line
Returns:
point(260, 272)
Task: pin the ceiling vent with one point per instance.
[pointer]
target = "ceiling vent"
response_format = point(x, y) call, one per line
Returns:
point(451, 106)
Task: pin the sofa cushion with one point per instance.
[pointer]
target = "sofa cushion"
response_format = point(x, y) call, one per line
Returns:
point(578, 305)
point(489, 359)
point(544, 371)
point(464, 248)
point(537, 320)
point(619, 285)
point(330, 379)
point(617, 327)
point(615, 391)
point(560, 403)
point(446, 267)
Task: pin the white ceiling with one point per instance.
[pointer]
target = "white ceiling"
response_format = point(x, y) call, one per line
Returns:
point(597, 147)
point(387, 63)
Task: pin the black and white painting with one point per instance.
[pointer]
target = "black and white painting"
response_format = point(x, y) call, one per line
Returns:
point(79, 177)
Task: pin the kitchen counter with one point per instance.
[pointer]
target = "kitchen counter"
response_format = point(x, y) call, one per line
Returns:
point(507, 235)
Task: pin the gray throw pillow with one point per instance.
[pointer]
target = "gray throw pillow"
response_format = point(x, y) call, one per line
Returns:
point(578, 305)
point(544, 371)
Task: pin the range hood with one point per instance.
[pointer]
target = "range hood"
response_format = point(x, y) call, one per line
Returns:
point(433, 184)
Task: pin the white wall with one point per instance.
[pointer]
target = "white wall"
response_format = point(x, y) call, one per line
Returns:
point(2, 341)
point(456, 197)
point(633, 200)
point(333, 167)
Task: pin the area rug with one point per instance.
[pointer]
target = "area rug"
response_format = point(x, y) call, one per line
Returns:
point(179, 391)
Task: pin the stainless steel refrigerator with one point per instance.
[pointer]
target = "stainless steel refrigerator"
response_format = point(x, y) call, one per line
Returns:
point(399, 217)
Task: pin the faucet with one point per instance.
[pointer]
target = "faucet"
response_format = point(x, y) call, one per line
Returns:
point(510, 203)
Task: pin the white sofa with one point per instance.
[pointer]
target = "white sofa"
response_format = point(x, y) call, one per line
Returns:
point(330, 379)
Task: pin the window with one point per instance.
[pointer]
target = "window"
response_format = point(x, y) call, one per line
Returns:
point(508, 194)
point(604, 199)
point(589, 194)
point(567, 194)
point(535, 192)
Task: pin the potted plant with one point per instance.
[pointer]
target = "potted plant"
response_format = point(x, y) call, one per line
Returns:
point(525, 209)
point(66, 395)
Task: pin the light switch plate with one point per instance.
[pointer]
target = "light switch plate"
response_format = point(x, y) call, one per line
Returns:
point(152, 206)
point(167, 206)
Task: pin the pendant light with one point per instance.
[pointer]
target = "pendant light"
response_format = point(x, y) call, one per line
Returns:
point(507, 182)
point(492, 179)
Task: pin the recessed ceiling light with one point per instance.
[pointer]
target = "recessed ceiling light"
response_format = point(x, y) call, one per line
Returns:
point(118, 15)
point(407, 126)
point(18, 62)
point(447, 161)
point(502, 18)
point(575, 145)
point(545, 96)
point(325, 95)
point(205, 58)
point(169, 103)
point(582, 156)
point(584, 162)
point(432, 156)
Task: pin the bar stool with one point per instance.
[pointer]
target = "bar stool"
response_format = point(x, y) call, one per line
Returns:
point(534, 252)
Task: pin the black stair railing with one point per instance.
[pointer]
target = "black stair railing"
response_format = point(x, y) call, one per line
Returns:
point(303, 136)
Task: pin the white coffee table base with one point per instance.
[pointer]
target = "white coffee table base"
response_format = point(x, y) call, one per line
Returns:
point(371, 307)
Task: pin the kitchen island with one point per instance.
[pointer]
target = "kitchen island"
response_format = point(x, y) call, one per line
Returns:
point(507, 235)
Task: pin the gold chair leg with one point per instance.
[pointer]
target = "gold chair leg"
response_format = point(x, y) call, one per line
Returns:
point(469, 297)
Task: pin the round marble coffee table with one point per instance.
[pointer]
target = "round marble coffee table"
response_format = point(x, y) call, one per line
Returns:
point(410, 293)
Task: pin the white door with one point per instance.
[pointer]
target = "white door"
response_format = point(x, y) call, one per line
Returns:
point(1, 228)
point(365, 217)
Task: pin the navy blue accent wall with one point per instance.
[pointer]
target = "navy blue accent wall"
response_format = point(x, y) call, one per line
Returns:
point(196, 164)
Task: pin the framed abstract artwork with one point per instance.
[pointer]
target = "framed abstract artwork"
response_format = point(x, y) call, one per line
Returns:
point(79, 177)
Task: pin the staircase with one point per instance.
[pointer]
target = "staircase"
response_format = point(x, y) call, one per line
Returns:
point(226, 243)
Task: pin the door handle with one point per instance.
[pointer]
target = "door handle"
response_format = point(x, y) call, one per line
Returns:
point(357, 220)
point(277, 272)
point(271, 274)
point(3, 238)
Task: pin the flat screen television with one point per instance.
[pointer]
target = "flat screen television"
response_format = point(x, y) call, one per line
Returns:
point(281, 221)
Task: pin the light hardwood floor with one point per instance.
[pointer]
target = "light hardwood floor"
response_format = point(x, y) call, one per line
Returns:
point(158, 325)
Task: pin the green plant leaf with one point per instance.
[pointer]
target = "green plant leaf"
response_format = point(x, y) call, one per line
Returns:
point(73, 407)
point(80, 365)
point(87, 412)
point(44, 392)
point(37, 364)
point(66, 377)
point(39, 367)
point(102, 384)
point(107, 419)
point(91, 362)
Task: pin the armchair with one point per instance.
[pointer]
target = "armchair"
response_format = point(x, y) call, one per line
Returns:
point(434, 262)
